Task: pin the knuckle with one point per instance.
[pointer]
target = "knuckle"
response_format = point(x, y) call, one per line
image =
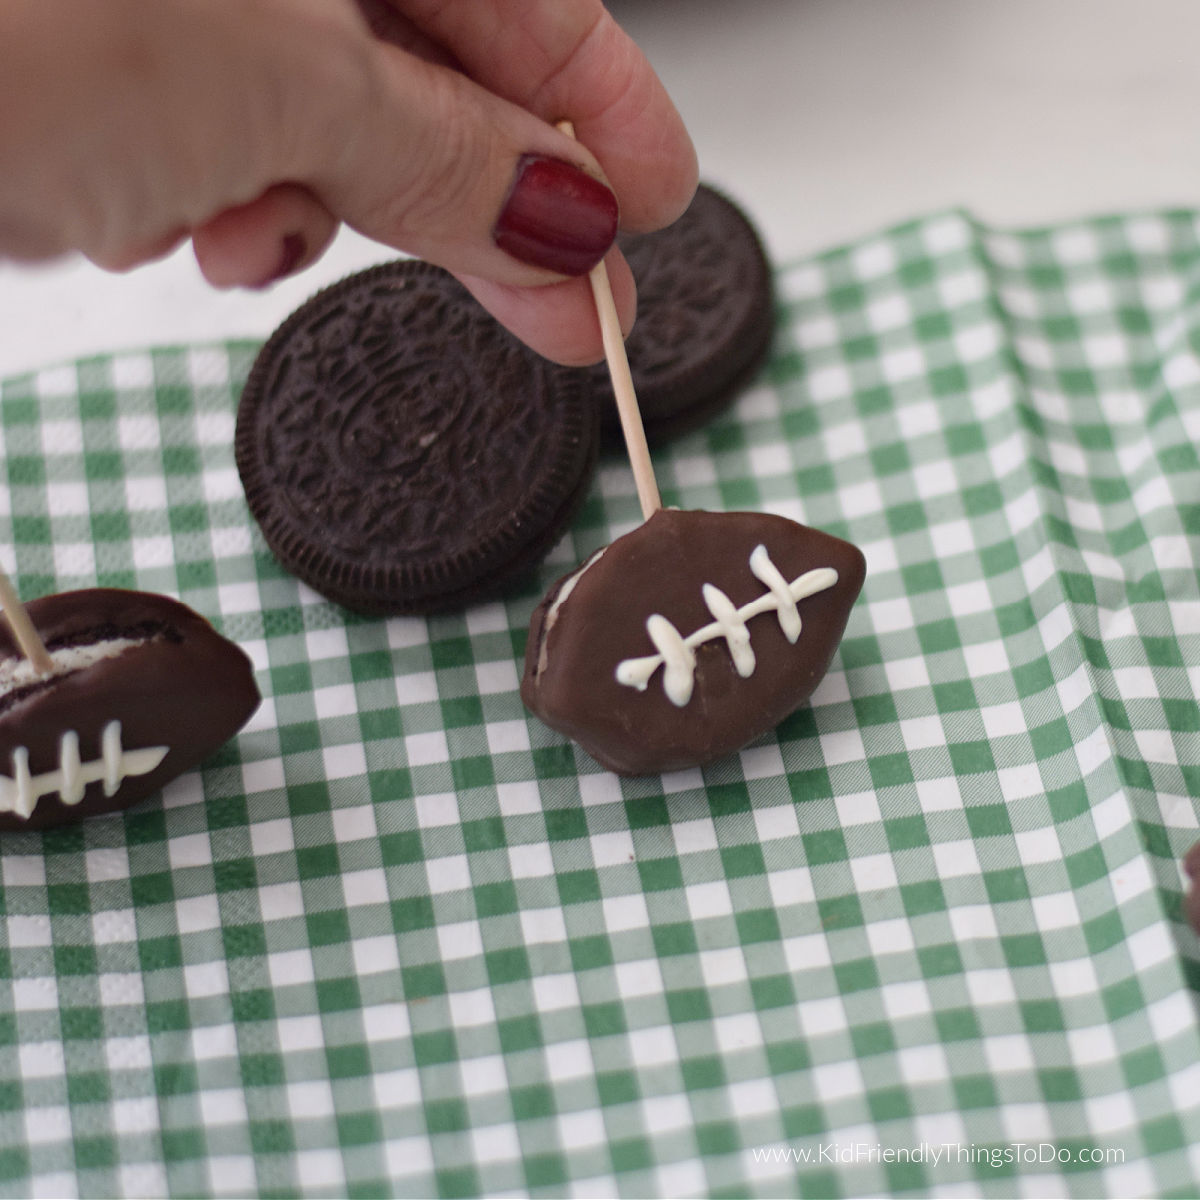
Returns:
point(444, 154)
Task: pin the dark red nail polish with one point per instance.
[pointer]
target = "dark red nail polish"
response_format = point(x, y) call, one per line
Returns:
point(291, 255)
point(556, 217)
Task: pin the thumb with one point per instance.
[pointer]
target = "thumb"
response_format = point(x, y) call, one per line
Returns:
point(436, 166)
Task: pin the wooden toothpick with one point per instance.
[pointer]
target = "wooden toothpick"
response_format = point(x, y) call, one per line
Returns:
point(622, 381)
point(22, 628)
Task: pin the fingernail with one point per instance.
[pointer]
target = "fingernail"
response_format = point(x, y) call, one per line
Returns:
point(556, 217)
point(291, 255)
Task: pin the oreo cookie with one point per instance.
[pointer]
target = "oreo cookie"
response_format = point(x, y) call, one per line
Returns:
point(402, 452)
point(705, 317)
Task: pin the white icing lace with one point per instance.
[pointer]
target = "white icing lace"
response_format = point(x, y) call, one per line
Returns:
point(20, 793)
point(677, 655)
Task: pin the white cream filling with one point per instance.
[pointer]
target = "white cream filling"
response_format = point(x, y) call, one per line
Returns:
point(18, 672)
point(568, 586)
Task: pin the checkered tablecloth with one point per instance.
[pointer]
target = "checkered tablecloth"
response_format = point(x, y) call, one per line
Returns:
point(925, 939)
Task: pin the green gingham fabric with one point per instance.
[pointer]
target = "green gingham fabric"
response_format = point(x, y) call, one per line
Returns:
point(397, 938)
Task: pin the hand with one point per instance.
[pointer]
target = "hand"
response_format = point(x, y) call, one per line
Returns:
point(255, 127)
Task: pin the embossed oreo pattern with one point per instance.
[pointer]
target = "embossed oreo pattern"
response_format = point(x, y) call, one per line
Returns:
point(704, 319)
point(401, 451)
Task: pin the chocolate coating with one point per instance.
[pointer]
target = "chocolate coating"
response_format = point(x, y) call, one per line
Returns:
point(1191, 903)
point(402, 452)
point(184, 686)
point(576, 645)
point(705, 317)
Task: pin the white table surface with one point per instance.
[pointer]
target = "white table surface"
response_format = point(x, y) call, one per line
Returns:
point(826, 118)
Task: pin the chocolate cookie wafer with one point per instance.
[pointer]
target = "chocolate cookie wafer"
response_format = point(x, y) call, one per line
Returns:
point(705, 317)
point(402, 452)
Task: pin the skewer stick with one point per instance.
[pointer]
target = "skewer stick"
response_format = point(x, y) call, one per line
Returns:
point(26, 636)
point(622, 382)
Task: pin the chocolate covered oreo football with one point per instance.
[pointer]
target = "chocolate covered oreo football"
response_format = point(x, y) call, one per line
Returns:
point(1191, 904)
point(402, 452)
point(689, 637)
point(142, 689)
